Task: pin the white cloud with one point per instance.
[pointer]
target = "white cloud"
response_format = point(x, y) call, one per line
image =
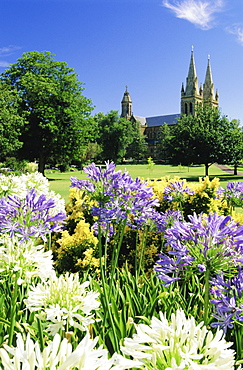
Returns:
point(238, 31)
point(5, 51)
point(199, 12)
point(3, 64)
point(9, 50)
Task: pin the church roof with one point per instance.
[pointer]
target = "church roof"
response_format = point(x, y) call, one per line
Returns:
point(169, 119)
point(142, 120)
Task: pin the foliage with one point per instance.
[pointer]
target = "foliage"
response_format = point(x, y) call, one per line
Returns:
point(150, 164)
point(51, 102)
point(91, 152)
point(204, 138)
point(75, 249)
point(234, 144)
point(201, 197)
point(47, 319)
point(14, 165)
point(11, 122)
point(138, 148)
point(163, 139)
point(118, 138)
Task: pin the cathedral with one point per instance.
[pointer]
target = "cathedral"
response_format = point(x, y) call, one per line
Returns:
point(191, 95)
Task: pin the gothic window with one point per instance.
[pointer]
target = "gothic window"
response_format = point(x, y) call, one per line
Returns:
point(186, 112)
point(191, 108)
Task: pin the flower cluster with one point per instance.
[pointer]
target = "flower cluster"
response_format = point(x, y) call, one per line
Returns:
point(228, 300)
point(177, 192)
point(199, 197)
point(29, 217)
point(233, 193)
point(118, 197)
point(20, 185)
point(25, 260)
point(210, 243)
point(179, 344)
point(59, 355)
point(63, 302)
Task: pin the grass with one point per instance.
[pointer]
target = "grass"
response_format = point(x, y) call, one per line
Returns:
point(60, 182)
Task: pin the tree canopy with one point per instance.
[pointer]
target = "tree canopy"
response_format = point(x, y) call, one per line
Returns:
point(138, 147)
point(57, 115)
point(204, 138)
point(10, 122)
point(118, 138)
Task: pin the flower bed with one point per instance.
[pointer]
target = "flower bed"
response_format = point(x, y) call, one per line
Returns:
point(129, 275)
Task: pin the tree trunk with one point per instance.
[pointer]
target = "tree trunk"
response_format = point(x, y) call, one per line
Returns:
point(41, 164)
point(206, 169)
point(235, 169)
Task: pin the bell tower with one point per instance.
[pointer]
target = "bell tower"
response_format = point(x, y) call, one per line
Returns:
point(126, 105)
point(191, 95)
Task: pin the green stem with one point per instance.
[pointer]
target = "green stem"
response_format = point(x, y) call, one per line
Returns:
point(40, 331)
point(117, 247)
point(107, 310)
point(206, 296)
point(13, 311)
point(49, 241)
point(136, 256)
point(141, 260)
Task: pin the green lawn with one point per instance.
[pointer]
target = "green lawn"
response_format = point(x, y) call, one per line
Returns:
point(60, 182)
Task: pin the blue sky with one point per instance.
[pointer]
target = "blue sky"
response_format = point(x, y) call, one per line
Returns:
point(145, 44)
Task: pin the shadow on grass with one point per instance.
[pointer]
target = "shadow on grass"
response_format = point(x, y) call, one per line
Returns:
point(223, 177)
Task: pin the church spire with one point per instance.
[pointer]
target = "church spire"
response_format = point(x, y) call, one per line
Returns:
point(191, 96)
point(192, 81)
point(208, 87)
point(126, 104)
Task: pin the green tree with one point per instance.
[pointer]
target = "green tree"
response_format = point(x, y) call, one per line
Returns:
point(92, 151)
point(234, 144)
point(115, 134)
point(163, 140)
point(58, 124)
point(201, 139)
point(10, 122)
point(138, 148)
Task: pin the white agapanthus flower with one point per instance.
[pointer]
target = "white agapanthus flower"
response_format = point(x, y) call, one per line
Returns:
point(20, 185)
point(179, 344)
point(63, 302)
point(59, 355)
point(26, 259)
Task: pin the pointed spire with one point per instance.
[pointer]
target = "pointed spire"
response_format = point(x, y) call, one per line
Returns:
point(192, 81)
point(182, 88)
point(208, 86)
point(208, 78)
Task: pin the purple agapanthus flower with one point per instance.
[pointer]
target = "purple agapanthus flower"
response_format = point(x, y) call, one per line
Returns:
point(118, 197)
point(211, 242)
point(169, 269)
point(176, 192)
point(29, 217)
point(227, 300)
point(233, 193)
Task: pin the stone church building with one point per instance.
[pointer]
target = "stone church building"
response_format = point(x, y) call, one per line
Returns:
point(191, 95)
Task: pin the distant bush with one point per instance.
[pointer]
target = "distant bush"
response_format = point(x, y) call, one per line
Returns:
point(14, 165)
